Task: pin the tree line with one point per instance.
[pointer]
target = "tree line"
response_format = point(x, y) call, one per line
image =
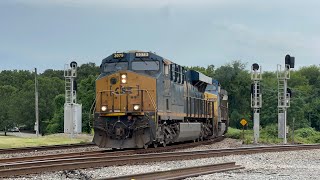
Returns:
point(17, 100)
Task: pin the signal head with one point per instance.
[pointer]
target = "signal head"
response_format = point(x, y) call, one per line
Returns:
point(255, 66)
point(73, 64)
point(289, 61)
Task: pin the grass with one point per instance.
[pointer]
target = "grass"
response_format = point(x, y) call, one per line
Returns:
point(269, 135)
point(14, 142)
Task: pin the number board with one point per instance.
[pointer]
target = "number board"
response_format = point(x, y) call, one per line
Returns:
point(118, 55)
point(142, 54)
point(243, 122)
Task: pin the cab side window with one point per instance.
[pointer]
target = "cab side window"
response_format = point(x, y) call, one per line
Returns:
point(166, 69)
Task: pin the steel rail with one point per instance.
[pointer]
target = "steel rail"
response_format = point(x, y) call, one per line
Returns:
point(106, 152)
point(100, 161)
point(192, 154)
point(182, 172)
point(45, 148)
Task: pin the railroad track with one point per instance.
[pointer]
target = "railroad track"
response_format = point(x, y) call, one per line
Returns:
point(103, 160)
point(45, 148)
point(109, 152)
point(182, 173)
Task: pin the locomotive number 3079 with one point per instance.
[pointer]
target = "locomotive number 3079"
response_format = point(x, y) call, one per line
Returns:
point(118, 55)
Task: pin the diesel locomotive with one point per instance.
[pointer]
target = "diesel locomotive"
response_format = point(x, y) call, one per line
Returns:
point(143, 99)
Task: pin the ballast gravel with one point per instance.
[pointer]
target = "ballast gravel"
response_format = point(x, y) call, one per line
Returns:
point(276, 165)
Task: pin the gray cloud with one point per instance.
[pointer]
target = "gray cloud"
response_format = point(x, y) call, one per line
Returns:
point(51, 33)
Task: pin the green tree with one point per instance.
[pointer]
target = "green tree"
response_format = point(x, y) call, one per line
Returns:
point(234, 78)
point(269, 85)
point(85, 70)
point(6, 93)
point(55, 124)
point(86, 94)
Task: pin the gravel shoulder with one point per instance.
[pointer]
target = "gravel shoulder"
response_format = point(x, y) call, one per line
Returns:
point(276, 165)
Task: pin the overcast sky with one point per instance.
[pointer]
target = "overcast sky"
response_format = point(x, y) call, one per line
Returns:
point(48, 34)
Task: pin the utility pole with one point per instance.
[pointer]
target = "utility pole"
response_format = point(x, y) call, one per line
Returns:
point(256, 99)
point(36, 101)
point(284, 94)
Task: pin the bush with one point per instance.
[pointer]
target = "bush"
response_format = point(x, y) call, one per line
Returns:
point(271, 131)
point(306, 132)
point(315, 139)
point(269, 135)
point(233, 133)
point(307, 135)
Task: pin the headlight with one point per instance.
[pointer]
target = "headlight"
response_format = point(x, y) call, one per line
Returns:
point(103, 108)
point(123, 78)
point(136, 107)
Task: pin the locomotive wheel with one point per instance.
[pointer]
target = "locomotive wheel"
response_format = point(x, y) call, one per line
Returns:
point(155, 145)
point(145, 146)
point(164, 144)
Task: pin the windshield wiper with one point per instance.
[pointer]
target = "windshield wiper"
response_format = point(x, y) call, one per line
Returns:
point(115, 64)
point(143, 61)
point(155, 60)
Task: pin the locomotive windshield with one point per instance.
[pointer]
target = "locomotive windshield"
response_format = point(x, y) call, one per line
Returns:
point(149, 67)
point(115, 66)
point(145, 65)
point(211, 88)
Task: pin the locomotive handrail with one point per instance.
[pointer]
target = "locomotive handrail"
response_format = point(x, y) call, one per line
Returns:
point(198, 98)
point(155, 108)
point(92, 109)
point(153, 103)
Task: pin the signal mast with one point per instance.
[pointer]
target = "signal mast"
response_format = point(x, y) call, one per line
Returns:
point(256, 99)
point(284, 95)
point(72, 110)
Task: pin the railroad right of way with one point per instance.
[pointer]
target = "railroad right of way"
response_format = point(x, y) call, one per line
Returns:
point(39, 166)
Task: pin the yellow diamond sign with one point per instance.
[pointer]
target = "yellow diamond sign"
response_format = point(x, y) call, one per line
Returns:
point(243, 122)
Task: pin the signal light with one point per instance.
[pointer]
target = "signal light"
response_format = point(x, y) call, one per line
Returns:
point(289, 92)
point(73, 64)
point(289, 61)
point(255, 66)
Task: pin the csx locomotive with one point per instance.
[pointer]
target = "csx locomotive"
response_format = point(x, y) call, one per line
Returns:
point(143, 99)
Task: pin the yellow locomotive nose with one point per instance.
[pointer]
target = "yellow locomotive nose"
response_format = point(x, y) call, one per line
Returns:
point(126, 92)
